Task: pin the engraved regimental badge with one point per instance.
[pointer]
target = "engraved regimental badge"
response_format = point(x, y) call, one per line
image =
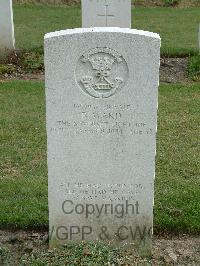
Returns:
point(101, 72)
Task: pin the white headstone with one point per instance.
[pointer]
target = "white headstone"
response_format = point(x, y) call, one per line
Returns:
point(106, 13)
point(7, 41)
point(101, 100)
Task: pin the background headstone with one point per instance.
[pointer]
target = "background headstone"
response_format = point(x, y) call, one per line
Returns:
point(101, 96)
point(7, 41)
point(107, 13)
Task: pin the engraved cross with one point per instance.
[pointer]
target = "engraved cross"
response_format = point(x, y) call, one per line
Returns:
point(106, 15)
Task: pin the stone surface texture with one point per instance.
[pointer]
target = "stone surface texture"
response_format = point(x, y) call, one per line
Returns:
point(7, 41)
point(106, 13)
point(101, 106)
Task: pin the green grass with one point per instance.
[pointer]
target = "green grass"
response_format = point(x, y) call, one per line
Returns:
point(177, 27)
point(33, 21)
point(83, 254)
point(178, 162)
point(23, 196)
point(194, 67)
point(23, 190)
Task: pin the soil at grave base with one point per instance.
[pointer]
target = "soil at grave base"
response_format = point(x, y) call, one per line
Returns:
point(169, 250)
point(172, 70)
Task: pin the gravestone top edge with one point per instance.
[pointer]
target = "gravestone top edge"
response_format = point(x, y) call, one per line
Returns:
point(101, 30)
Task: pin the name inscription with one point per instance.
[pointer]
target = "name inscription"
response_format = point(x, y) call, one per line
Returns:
point(118, 119)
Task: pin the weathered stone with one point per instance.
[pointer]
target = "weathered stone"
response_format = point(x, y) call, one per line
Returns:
point(101, 96)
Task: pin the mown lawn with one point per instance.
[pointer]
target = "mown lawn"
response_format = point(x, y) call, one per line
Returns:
point(23, 190)
point(178, 27)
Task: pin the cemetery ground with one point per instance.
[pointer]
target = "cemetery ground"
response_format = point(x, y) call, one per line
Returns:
point(23, 197)
point(24, 175)
point(24, 178)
